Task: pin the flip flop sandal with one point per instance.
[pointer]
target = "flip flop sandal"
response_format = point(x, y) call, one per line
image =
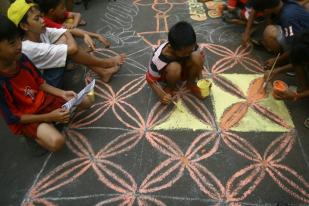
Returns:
point(306, 123)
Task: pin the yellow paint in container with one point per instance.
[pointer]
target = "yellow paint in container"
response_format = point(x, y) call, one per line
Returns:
point(204, 86)
point(91, 95)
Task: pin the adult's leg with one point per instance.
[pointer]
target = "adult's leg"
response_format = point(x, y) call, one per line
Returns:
point(49, 137)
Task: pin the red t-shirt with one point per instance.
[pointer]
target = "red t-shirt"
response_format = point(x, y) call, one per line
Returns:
point(233, 3)
point(55, 23)
point(20, 93)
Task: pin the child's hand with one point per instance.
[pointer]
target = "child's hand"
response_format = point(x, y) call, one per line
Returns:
point(166, 99)
point(104, 41)
point(286, 95)
point(59, 115)
point(68, 95)
point(268, 64)
point(68, 26)
point(88, 40)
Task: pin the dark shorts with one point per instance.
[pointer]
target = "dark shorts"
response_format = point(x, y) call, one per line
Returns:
point(54, 76)
point(51, 103)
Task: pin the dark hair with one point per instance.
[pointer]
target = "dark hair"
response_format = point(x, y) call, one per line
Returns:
point(181, 35)
point(300, 49)
point(8, 30)
point(46, 5)
point(261, 5)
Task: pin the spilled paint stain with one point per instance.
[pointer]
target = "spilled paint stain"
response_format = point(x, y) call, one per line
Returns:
point(182, 120)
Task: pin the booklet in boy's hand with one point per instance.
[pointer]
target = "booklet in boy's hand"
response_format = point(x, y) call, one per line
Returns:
point(80, 96)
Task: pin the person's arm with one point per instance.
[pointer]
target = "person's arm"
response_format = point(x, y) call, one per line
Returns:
point(70, 41)
point(86, 35)
point(66, 95)
point(279, 70)
point(283, 58)
point(247, 33)
point(57, 115)
point(76, 18)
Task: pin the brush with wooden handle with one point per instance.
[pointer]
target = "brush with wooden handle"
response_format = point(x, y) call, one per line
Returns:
point(161, 90)
point(271, 71)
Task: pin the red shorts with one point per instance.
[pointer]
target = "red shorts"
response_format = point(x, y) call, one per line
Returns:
point(51, 103)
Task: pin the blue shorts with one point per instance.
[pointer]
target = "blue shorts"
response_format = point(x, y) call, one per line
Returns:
point(54, 76)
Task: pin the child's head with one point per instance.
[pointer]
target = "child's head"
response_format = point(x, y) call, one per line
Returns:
point(26, 17)
point(300, 50)
point(10, 43)
point(52, 8)
point(182, 39)
point(267, 6)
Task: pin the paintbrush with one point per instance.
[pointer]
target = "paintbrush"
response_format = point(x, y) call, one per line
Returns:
point(161, 90)
point(271, 71)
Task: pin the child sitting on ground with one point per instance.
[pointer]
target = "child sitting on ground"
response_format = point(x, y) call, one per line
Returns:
point(29, 105)
point(57, 15)
point(238, 12)
point(176, 60)
point(299, 58)
point(289, 19)
point(53, 10)
point(49, 48)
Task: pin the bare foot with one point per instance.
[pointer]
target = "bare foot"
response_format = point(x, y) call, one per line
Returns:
point(107, 73)
point(119, 59)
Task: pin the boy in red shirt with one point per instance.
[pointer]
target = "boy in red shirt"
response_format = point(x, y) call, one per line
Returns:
point(56, 16)
point(28, 104)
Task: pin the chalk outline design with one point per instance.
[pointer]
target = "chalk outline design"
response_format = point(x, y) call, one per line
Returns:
point(166, 174)
point(238, 187)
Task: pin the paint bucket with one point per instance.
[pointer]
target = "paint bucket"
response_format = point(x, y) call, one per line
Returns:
point(204, 86)
point(91, 95)
point(279, 87)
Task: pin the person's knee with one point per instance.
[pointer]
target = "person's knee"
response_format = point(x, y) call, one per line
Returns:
point(197, 58)
point(57, 142)
point(173, 72)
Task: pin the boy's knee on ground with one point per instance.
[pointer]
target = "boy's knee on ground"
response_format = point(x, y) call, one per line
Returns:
point(173, 71)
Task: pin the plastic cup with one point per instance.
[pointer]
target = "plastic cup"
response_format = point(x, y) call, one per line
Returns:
point(204, 86)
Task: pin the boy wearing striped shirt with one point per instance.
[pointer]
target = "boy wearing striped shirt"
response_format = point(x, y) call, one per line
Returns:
point(176, 60)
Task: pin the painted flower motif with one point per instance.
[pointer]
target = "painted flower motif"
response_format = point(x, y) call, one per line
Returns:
point(205, 145)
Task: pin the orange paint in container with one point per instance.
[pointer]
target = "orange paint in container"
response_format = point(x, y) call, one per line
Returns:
point(279, 86)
